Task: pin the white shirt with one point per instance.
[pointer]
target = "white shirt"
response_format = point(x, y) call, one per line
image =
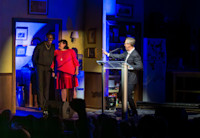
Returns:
point(129, 52)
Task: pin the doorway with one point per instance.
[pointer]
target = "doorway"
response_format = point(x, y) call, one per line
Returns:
point(27, 33)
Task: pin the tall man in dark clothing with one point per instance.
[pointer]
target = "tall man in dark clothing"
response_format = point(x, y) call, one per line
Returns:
point(43, 56)
point(132, 57)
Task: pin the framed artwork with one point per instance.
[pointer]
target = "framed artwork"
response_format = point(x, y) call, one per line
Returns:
point(21, 33)
point(37, 7)
point(91, 52)
point(124, 10)
point(21, 50)
point(91, 36)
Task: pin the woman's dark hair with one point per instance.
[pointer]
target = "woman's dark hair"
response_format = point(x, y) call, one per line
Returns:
point(64, 42)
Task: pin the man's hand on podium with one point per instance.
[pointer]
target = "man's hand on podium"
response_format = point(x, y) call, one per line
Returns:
point(104, 52)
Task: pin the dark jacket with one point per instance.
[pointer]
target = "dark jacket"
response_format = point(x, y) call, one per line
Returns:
point(42, 55)
point(134, 60)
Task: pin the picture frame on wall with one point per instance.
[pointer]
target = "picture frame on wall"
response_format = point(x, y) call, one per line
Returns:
point(91, 52)
point(124, 10)
point(91, 36)
point(21, 50)
point(21, 33)
point(38, 7)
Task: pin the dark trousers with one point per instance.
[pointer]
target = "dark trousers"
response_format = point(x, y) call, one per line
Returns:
point(43, 81)
point(131, 88)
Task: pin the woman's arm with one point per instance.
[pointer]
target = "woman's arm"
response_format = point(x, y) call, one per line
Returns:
point(77, 70)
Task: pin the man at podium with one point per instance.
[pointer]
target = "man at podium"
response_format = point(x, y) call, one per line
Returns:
point(132, 57)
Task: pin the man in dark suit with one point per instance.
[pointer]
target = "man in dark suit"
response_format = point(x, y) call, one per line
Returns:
point(42, 58)
point(132, 57)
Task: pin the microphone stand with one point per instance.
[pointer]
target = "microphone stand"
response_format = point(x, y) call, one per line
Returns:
point(115, 50)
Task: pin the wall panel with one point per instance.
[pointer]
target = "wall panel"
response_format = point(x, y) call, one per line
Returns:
point(6, 92)
point(93, 89)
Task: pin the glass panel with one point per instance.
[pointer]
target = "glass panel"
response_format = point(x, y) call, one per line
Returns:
point(114, 64)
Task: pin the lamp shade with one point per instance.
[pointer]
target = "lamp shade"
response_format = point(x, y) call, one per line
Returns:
point(75, 34)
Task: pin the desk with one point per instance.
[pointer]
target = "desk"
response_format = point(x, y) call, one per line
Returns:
point(185, 83)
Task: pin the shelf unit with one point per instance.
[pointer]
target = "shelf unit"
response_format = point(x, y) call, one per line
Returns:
point(185, 83)
point(117, 31)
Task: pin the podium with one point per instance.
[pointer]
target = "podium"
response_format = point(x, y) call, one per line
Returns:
point(124, 67)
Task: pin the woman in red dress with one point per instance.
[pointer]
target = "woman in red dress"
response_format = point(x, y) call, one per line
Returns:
point(66, 65)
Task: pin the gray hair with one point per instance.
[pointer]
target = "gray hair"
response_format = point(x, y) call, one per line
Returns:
point(130, 40)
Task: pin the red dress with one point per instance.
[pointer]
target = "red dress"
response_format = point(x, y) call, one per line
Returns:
point(66, 62)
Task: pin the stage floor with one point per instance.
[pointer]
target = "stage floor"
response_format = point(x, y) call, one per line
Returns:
point(144, 108)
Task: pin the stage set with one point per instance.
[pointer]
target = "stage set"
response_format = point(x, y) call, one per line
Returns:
point(155, 87)
point(167, 86)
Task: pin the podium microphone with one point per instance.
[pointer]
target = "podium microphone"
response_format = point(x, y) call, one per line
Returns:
point(115, 50)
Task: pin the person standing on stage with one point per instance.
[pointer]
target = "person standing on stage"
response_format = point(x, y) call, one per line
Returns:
point(132, 57)
point(67, 68)
point(42, 58)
